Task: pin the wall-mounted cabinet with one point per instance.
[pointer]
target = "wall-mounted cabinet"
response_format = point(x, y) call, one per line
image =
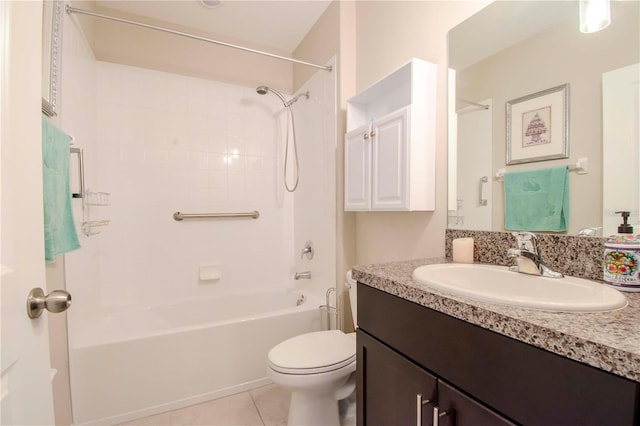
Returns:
point(390, 142)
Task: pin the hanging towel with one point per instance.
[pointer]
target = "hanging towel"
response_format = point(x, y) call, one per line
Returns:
point(59, 231)
point(537, 200)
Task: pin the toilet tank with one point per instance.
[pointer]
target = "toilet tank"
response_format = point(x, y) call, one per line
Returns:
point(352, 285)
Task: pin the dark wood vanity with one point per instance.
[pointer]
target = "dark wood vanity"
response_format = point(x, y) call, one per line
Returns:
point(414, 361)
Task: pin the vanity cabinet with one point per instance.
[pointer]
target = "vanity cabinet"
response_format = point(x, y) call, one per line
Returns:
point(390, 142)
point(474, 375)
point(399, 392)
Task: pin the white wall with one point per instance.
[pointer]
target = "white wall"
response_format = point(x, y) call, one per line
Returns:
point(315, 198)
point(410, 29)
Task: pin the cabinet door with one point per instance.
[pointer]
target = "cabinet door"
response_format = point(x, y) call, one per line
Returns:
point(389, 385)
point(390, 178)
point(457, 409)
point(357, 170)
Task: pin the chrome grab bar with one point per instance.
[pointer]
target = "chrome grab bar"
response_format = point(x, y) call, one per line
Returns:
point(181, 216)
point(78, 152)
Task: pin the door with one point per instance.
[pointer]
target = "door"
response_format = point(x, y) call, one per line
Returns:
point(357, 163)
point(474, 197)
point(391, 389)
point(25, 375)
point(390, 155)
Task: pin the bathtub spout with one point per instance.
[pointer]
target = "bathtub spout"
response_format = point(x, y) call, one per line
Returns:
point(302, 275)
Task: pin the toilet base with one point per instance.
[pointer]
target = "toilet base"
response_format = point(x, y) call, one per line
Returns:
point(311, 409)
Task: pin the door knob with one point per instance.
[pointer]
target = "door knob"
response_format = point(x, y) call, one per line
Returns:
point(56, 301)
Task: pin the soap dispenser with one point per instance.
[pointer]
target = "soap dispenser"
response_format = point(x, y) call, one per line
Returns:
point(622, 256)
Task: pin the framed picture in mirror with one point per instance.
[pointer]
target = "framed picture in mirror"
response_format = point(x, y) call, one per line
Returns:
point(538, 126)
point(51, 53)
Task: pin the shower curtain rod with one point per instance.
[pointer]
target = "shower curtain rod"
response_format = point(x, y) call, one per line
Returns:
point(71, 10)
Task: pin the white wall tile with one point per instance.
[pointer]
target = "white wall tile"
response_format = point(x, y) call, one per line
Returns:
point(183, 145)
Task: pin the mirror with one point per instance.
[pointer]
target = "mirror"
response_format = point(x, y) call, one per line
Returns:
point(51, 45)
point(518, 49)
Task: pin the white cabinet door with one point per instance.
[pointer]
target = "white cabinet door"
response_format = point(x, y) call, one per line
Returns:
point(357, 173)
point(390, 177)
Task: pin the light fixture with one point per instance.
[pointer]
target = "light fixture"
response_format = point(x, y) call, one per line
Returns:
point(595, 15)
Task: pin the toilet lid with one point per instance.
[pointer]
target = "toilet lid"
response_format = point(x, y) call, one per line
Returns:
point(311, 353)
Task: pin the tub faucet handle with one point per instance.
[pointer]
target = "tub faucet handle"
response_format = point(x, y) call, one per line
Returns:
point(307, 250)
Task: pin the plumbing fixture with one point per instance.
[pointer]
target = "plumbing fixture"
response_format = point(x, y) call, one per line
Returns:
point(307, 250)
point(306, 275)
point(595, 231)
point(301, 300)
point(527, 256)
point(329, 312)
point(263, 90)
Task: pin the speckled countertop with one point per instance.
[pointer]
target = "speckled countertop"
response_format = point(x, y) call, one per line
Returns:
point(606, 340)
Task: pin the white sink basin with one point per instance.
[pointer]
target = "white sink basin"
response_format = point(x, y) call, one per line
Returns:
point(499, 285)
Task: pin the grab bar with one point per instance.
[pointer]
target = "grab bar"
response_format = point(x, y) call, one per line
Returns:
point(181, 216)
point(78, 152)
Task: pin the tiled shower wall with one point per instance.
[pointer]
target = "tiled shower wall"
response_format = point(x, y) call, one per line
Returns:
point(168, 143)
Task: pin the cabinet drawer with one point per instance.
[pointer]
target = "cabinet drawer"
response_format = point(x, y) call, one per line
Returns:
point(525, 383)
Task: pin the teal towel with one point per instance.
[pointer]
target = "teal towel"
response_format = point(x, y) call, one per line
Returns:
point(537, 200)
point(59, 231)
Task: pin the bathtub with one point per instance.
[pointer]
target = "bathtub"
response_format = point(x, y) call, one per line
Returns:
point(139, 362)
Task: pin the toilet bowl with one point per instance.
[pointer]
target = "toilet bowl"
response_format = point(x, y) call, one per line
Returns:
point(319, 370)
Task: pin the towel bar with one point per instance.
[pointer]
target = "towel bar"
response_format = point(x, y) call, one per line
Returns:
point(581, 167)
point(181, 216)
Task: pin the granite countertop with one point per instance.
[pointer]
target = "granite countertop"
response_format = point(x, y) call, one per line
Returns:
point(606, 340)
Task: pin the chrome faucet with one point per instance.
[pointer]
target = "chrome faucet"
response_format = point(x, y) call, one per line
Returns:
point(527, 256)
point(302, 275)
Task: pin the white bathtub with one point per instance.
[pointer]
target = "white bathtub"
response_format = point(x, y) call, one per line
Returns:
point(145, 361)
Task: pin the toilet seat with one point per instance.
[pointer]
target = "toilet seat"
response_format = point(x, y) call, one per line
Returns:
point(313, 353)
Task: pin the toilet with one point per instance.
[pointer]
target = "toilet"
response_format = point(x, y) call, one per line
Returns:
point(319, 370)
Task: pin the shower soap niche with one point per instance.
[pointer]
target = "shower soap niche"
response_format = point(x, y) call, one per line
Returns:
point(210, 271)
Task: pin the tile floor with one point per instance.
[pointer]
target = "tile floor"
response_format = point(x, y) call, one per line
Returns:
point(264, 406)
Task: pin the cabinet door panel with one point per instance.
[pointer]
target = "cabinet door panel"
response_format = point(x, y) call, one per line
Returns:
point(357, 195)
point(457, 409)
point(388, 385)
point(389, 157)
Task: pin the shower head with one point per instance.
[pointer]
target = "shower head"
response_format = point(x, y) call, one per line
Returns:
point(262, 90)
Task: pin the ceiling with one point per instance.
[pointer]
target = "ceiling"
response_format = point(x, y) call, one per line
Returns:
point(279, 25)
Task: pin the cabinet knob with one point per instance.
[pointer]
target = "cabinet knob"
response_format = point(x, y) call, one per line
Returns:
point(366, 135)
point(372, 133)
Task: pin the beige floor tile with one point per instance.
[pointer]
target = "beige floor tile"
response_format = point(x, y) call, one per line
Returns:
point(234, 410)
point(163, 419)
point(273, 404)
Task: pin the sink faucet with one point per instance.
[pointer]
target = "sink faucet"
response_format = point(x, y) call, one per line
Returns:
point(302, 275)
point(528, 260)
